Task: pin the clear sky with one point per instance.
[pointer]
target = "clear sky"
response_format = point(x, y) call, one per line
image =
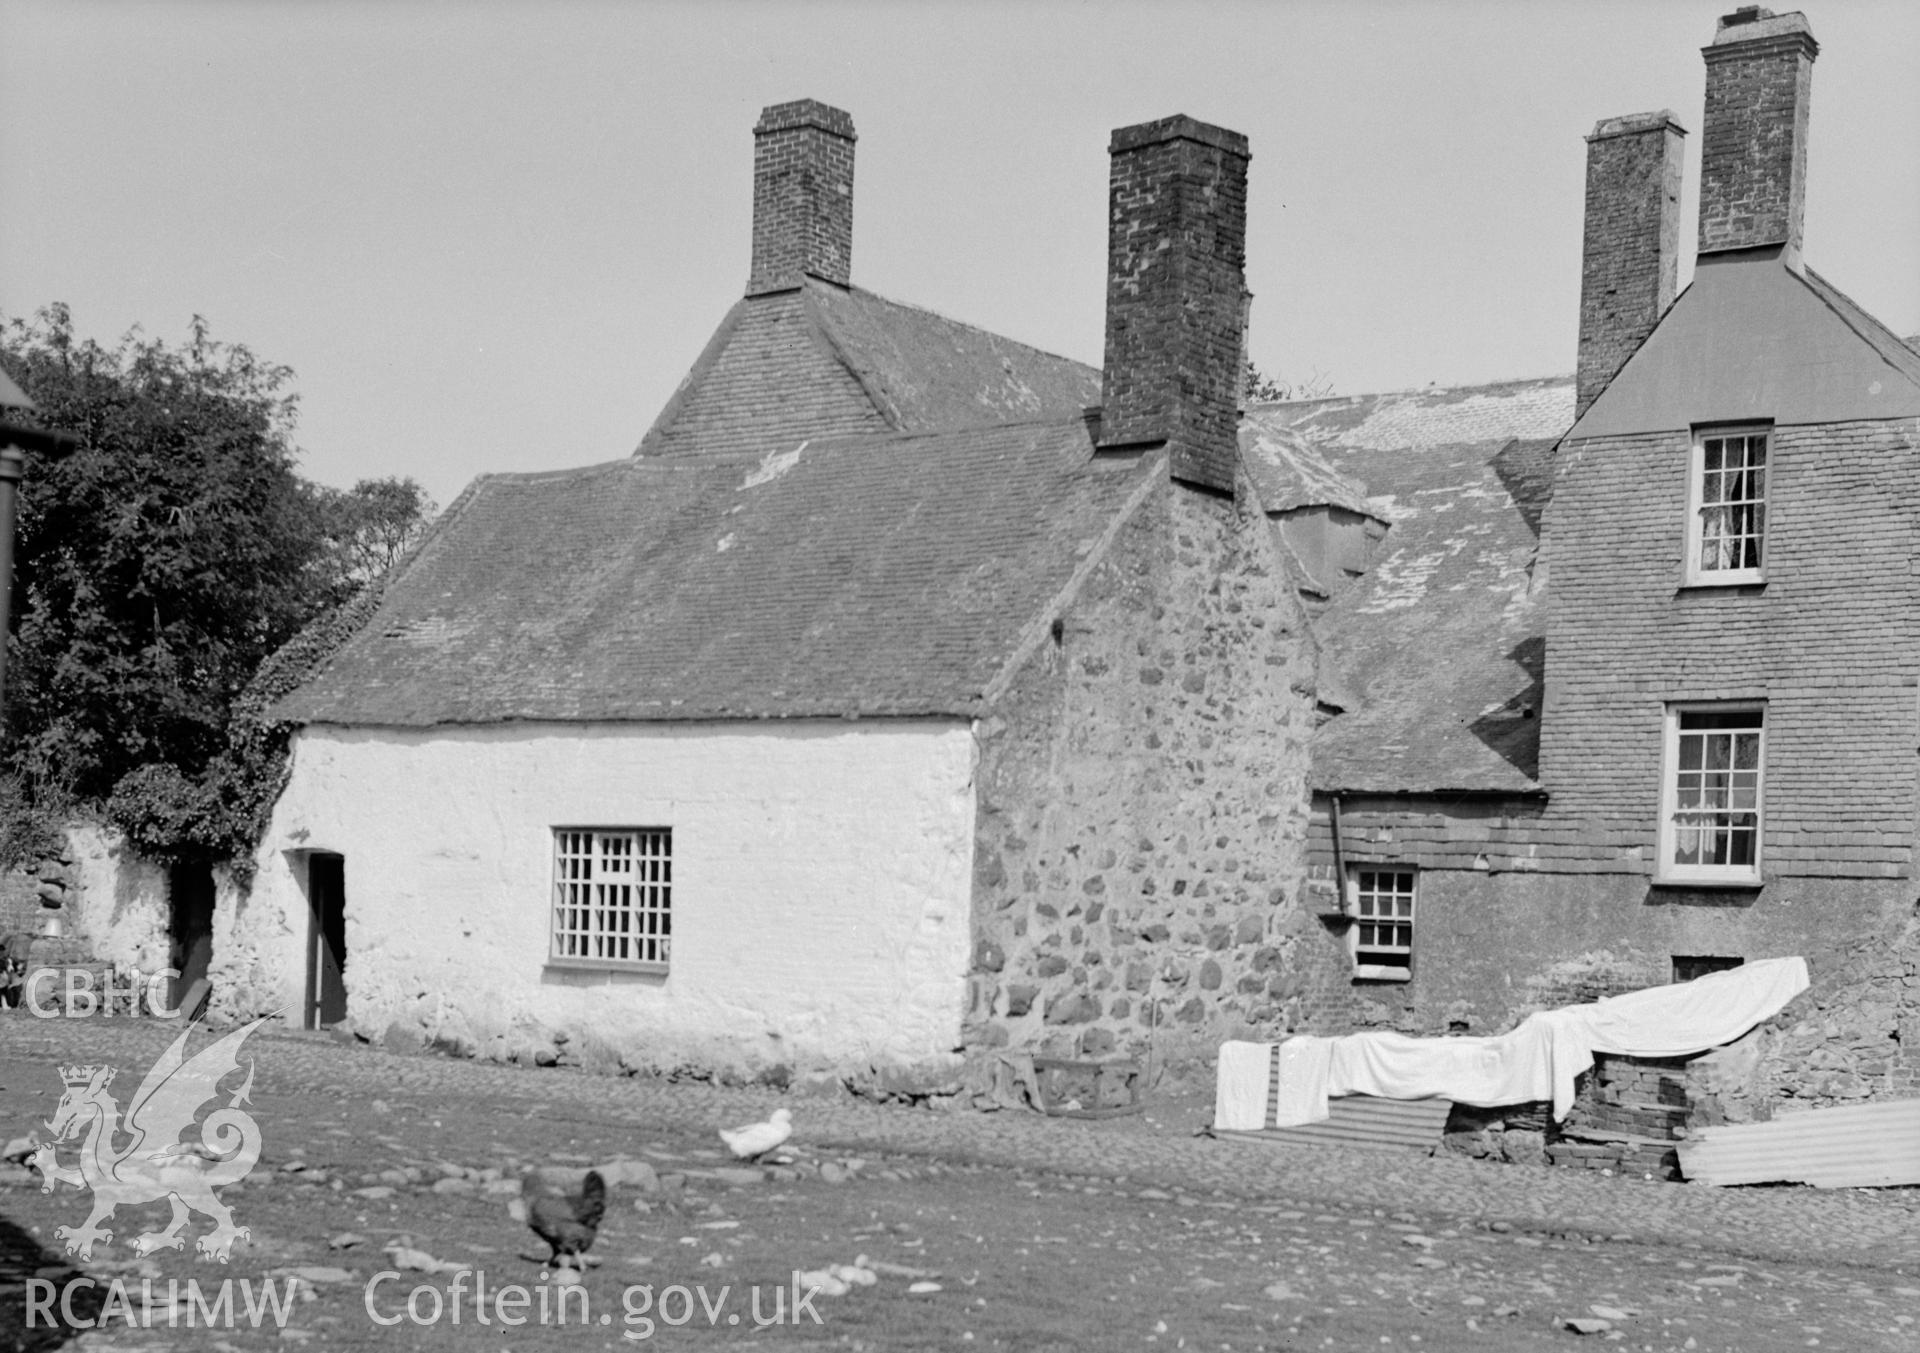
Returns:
point(494, 236)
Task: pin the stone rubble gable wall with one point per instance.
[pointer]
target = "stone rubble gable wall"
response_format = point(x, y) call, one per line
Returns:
point(1832, 643)
point(1138, 860)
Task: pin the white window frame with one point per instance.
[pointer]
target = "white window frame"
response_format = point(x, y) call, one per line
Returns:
point(1697, 575)
point(1367, 920)
point(1709, 875)
point(612, 900)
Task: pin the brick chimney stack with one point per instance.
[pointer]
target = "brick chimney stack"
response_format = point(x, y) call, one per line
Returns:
point(1176, 295)
point(1753, 150)
point(802, 196)
point(1630, 261)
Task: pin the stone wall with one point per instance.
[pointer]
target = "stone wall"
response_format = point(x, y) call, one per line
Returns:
point(1142, 804)
point(1854, 1036)
point(106, 897)
point(1491, 947)
point(23, 894)
point(119, 904)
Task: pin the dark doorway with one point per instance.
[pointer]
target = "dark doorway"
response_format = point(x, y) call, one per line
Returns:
point(327, 949)
point(189, 928)
point(1686, 967)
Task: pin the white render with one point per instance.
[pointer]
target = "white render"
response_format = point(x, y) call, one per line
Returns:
point(821, 886)
point(120, 901)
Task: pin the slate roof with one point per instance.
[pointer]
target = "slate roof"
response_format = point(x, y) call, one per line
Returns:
point(1440, 646)
point(878, 576)
point(1288, 472)
point(829, 360)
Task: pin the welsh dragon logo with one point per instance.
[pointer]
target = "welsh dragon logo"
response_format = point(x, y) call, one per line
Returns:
point(154, 1163)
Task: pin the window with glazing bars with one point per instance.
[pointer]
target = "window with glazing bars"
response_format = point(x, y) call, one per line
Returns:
point(1716, 790)
point(1383, 918)
point(613, 894)
point(1730, 494)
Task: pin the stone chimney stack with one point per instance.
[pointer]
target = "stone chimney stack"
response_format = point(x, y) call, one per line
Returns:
point(1753, 149)
point(1630, 262)
point(1176, 289)
point(802, 196)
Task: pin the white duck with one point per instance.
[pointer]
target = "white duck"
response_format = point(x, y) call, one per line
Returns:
point(756, 1139)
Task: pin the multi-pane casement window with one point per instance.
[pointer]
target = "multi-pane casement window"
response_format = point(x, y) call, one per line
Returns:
point(1710, 811)
point(1727, 524)
point(1382, 929)
point(613, 896)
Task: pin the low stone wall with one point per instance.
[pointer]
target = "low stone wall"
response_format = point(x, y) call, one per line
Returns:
point(35, 890)
point(1854, 1037)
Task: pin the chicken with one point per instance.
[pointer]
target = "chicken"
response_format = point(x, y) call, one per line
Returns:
point(756, 1139)
point(568, 1221)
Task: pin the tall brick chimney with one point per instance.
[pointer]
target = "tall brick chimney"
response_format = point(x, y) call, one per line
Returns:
point(1176, 295)
point(1630, 262)
point(802, 196)
point(1753, 149)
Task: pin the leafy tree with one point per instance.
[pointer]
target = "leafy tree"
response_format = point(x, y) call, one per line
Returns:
point(1265, 389)
point(160, 565)
point(368, 528)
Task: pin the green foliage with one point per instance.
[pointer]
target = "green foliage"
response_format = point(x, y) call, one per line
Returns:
point(159, 566)
point(368, 528)
point(29, 827)
point(159, 563)
point(1265, 389)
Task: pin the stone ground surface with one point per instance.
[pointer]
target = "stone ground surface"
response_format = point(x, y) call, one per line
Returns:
point(1039, 1233)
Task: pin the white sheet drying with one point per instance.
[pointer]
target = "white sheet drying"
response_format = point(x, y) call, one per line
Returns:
point(1543, 1056)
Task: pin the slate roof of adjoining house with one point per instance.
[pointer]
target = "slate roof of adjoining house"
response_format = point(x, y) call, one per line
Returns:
point(880, 576)
point(1441, 644)
point(829, 360)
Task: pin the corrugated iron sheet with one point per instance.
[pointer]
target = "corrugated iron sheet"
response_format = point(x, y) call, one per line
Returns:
point(1358, 1120)
point(1858, 1146)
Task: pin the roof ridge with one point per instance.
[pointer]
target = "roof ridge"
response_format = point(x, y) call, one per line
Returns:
point(820, 322)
